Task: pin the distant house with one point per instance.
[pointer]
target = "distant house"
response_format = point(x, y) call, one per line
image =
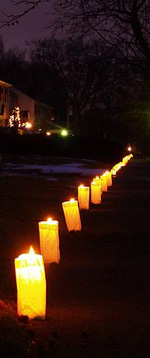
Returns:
point(26, 106)
point(10, 98)
point(32, 114)
point(39, 115)
point(4, 103)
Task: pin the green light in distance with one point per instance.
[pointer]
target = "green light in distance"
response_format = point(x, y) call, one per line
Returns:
point(64, 132)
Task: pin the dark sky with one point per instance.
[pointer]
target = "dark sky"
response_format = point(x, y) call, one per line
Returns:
point(29, 27)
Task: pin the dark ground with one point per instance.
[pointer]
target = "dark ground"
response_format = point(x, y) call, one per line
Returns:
point(98, 297)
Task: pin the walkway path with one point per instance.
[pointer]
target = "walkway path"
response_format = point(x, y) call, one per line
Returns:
point(98, 297)
point(101, 290)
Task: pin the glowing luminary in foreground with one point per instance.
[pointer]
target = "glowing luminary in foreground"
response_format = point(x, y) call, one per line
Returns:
point(83, 197)
point(95, 192)
point(72, 215)
point(49, 241)
point(31, 285)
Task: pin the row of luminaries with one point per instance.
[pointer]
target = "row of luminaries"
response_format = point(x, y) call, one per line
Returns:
point(29, 268)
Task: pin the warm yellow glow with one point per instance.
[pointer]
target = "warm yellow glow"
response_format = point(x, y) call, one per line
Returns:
point(83, 197)
point(97, 179)
point(96, 192)
point(127, 158)
point(28, 125)
point(31, 251)
point(64, 132)
point(121, 164)
point(49, 241)
point(113, 172)
point(48, 133)
point(31, 255)
point(104, 182)
point(31, 285)
point(106, 173)
point(129, 148)
point(117, 166)
point(72, 215)
point(109, 178)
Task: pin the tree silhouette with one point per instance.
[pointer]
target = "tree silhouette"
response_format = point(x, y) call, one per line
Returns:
point(121, 23)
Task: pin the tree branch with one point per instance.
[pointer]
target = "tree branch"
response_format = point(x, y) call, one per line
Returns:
point(11, 19)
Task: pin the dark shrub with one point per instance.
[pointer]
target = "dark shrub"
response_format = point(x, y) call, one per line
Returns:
point(55, 145)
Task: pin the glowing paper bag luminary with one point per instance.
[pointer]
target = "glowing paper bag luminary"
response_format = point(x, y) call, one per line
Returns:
point(72, 215)
point(31, 285)
point(83, 197)
point(113, 172)
point(98, 180)
point(115, 169)
point(120, 165)
point(127, 158)
point(104, 182)
point(49, 241)
point(95, 192)
point(109, 178)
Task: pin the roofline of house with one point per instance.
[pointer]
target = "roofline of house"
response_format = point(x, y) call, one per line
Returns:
point(16, 91)
point(44, 105)
point(5, 84)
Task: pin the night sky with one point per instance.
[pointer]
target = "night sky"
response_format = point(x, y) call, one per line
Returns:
point(29, 27)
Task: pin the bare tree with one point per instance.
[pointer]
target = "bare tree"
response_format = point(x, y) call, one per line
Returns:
point(76, 64)
point(118, 22)
point(123, 23)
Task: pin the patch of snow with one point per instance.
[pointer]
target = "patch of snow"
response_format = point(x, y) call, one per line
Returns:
point(59, 169)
